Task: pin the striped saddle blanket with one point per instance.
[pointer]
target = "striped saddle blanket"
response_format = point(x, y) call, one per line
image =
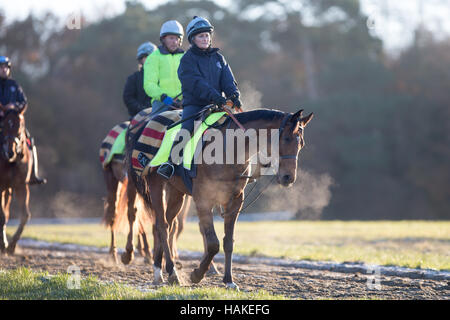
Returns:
point(113, 146)
point(150, 136)
point(154, 142)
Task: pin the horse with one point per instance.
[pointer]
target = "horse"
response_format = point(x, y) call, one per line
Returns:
point(15, 166)
point(219, 184)
point(124, 211)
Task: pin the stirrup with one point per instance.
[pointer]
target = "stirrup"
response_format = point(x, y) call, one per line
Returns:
point(166, 170)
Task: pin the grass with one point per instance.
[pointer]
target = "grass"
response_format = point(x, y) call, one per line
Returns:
point(414, 244)
point(22, 283)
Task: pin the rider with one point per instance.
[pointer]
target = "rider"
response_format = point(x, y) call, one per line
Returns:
point(12, 97)
point(204, 75)
point(160, 70)
point(134, 95)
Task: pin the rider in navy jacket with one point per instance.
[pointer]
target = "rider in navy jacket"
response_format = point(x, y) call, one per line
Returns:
point(12, 97)
point(204, 75)
point(11, 92)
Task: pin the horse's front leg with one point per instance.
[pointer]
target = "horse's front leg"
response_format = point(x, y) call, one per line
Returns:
point(4, 213)
point(23, 197)
point(230, 217)
point(206, 222)
point(128, 255)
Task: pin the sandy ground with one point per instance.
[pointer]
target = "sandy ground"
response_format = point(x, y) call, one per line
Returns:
point(291, 281)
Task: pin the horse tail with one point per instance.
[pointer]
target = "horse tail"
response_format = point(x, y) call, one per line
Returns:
point(115, 215)
point(139, 182)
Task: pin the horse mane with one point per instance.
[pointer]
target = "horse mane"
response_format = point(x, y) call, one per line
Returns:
point(259, 114)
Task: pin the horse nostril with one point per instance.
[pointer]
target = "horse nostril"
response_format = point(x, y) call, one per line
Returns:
point(286, 178)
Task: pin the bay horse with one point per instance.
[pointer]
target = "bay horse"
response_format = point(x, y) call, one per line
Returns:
point(15, 170)
point(219, 184)
point(124, 211)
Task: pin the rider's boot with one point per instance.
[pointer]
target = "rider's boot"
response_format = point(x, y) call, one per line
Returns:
point(34, 178)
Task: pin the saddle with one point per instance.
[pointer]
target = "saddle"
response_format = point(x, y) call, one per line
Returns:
point(154, 143)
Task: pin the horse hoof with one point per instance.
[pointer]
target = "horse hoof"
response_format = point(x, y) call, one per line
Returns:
point(212, 271)
point(195, 277)
point(178, 265)
point(114, 258)
point(173, 278)
point(232, 286)
point(157, 276)
point(10, 250)
point(127, 257)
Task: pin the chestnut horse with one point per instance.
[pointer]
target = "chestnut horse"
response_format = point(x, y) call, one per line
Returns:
point(15, 170)
point(219, 184)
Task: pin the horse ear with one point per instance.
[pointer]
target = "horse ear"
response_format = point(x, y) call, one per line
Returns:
point(296, 116)
point(304, 121)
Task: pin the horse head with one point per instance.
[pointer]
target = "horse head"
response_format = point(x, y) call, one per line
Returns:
point(291, 142)
point(13, 128)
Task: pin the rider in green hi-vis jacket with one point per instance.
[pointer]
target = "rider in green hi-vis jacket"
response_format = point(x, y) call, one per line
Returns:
point(161, 68)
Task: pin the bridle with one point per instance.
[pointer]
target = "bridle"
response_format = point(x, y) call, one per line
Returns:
point(281, 130)
point(282, 157)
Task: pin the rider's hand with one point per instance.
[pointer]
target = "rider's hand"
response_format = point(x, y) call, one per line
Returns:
point(166, 99)
point(236, 102)
point(220, 101)
point(177, 104)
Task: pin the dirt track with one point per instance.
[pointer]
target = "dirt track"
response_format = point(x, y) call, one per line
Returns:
point(292, 282)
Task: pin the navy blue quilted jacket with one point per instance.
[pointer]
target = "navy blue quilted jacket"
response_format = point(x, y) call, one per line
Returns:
point(204, 75)
point(11, 92)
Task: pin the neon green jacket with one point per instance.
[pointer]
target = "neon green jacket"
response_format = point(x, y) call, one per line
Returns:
point(161, 73)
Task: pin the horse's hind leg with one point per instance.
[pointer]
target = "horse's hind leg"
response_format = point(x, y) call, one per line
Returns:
point(128, 255)
point(163, 223)
point(174, 204)
point(144, 248)
point(23, 197)
point(4, 213)
point(110, 208)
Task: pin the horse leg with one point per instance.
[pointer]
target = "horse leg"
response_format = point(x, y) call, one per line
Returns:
point(110, 208)
point(157, 203)
point(140, 246)
point(230, 218)
point(128, 255)
point(4, 213)
point(174, 204)
point(23, 197)
point(212, 270)
point(212, 242)
point(173, 241)
point(146, 248)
